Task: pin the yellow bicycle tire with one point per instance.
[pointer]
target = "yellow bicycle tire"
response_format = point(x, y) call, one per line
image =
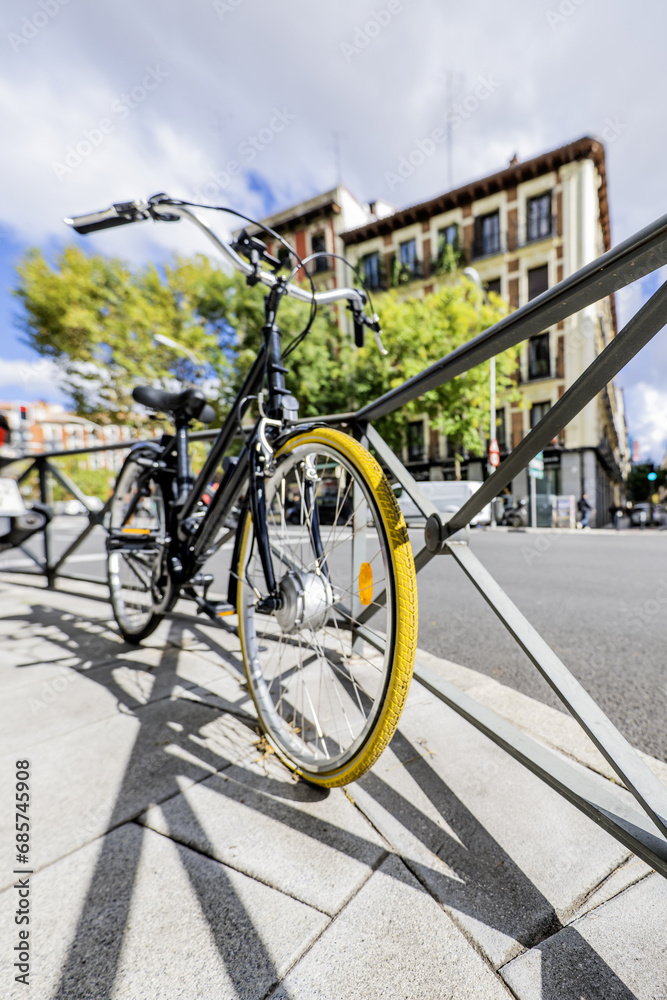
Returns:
point(399, 660)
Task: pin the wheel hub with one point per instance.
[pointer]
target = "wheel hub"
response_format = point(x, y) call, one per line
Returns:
point(305, 600)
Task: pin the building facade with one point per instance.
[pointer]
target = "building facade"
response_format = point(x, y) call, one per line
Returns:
point(40, 428)
point(523, 229)
point(316, 226)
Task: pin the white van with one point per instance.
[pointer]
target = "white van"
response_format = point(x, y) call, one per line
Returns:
point(448, 496)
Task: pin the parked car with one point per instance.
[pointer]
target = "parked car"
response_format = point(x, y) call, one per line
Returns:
point(73, 506)
point(640, 515)
point(448, 496)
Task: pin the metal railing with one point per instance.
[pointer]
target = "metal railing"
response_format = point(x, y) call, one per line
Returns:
point(43, 465)
point(644, 829)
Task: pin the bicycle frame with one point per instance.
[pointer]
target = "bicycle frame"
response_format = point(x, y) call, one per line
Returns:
point(192, 539)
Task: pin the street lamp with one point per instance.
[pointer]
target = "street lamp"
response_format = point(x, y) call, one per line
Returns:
point(494, 454)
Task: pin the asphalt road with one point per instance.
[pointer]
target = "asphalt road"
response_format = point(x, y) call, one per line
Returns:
point(599, 599)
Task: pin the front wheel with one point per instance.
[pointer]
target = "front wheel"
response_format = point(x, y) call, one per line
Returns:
point(139, 585)
point(329, 669)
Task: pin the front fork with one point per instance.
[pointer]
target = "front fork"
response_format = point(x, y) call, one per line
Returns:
point(261, 461)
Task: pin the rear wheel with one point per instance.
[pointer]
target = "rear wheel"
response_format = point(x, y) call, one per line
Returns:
point(329, 670)
point(139, 585)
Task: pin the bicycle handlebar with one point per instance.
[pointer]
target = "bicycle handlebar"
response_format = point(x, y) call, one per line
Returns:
point(161, 208)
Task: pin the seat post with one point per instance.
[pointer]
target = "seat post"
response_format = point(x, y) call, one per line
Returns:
point(184, 477)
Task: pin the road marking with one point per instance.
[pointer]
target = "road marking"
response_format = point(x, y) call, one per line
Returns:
point(16, 563)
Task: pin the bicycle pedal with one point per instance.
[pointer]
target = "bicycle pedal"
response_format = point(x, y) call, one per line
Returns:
point(222, 609)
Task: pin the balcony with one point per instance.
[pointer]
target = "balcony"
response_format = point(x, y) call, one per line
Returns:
point(404, 273)
point(489, 245)
point(541, 229)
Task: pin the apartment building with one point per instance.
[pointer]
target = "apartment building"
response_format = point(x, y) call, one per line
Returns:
point(524, 229)
point(39, 428)
point(315, 226)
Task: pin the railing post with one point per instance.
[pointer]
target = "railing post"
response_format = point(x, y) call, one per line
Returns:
point(45, 498)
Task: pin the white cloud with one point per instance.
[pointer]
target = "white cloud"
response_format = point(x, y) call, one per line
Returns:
point(646, 406)
point(225, 75)
point(29, 379)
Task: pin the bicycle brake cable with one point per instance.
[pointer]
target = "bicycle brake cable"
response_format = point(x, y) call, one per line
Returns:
point(266, 229)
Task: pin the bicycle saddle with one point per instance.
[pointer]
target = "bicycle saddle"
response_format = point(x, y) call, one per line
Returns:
point(190, 403)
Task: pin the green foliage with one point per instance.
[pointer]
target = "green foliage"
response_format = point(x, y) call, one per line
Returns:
point(92, 482)
point(640, 489)
point(417, 332)
point(96, 318)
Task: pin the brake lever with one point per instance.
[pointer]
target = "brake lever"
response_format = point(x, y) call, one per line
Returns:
point(360, 321)
point(374, 324)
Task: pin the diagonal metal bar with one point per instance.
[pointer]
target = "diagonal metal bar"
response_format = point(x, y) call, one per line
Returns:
point(95, 520)
point(396, 467)
point(637, 256)
point(589, 793)
point(24, 475)
point(646, 788)
point(68, 484)
point(638, 331)
point(31, 555)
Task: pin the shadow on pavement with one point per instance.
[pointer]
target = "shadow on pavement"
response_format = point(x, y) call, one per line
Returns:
point(487, 885)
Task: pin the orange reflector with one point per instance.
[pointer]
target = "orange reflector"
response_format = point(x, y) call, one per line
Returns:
point(365, 583)
point(223, 614)
point(136, 531)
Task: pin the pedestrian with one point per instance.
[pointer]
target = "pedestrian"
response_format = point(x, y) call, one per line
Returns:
point(585, 509)
point(615, 516)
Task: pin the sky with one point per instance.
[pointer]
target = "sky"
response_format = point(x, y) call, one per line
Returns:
point(105, 102)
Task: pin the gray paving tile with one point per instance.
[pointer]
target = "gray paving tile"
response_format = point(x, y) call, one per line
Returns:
point(618, 951)
point(392, 941)
point(104, 773)
point(515, 857)
point(136, 917)
point(310, 843)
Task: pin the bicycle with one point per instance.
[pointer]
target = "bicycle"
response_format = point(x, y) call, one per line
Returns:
point(320, 545)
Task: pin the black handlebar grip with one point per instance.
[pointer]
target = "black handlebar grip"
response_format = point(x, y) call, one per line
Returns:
point(358, 329)
point(118, 215)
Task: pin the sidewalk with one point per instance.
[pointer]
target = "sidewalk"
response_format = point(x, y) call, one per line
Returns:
point(175, 857)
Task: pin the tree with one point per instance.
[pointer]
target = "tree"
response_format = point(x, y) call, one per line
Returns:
point(640, 487)
point(97, 319)
point(417, 332)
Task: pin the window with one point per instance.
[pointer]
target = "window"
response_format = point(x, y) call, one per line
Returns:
point(537, 411)
point(319, 246)
point(493, 285)
point(448, 235)
point(538, 280)
point(371, 270)
point(539, 361)
point(416, 441)
point(538, 217)
point(487, 234)
point(407, 254)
